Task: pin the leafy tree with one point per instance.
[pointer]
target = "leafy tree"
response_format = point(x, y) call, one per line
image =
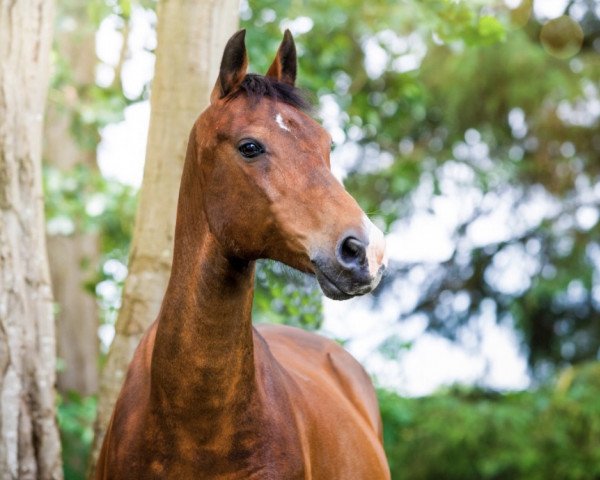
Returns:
point(549, 433)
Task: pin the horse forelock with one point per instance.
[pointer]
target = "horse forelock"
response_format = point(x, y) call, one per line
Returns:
point(256, 87)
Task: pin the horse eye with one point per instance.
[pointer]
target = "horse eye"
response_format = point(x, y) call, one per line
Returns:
point(251, 149)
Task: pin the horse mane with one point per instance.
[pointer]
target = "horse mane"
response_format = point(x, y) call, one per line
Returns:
point(257, 87)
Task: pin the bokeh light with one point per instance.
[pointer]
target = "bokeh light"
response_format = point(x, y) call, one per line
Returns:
point(562, 37)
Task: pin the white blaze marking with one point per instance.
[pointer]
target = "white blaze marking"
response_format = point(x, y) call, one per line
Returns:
point(376, 254)
point(279, 120)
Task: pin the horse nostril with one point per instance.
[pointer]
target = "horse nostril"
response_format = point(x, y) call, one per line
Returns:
point(352, 252)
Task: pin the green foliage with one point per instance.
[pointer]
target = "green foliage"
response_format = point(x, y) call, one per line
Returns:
point(545, 434)
point(76, 415)
point(81, 201)
point(102, 107)
point(84, 200)
point(464, 22)
point(285, 296)
point(374, 106)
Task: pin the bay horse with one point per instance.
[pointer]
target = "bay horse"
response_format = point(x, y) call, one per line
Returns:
point(207, 395)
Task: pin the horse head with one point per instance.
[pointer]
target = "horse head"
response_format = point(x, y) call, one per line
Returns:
point(268, 192)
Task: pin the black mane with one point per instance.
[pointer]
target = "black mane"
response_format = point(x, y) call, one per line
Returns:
point(257, 87)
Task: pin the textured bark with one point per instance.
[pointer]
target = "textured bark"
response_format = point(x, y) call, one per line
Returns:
point(191, 37)
point(29, 441)
point(73, 257)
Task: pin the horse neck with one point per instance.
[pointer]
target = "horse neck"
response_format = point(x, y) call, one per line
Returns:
point(203, 365)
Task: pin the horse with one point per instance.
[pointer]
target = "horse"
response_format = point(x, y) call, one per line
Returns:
point(207, 395)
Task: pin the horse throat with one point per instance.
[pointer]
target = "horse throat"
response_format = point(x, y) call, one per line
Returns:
point(203, 372)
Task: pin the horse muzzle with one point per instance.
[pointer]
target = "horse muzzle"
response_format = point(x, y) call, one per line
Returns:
point(357, 266)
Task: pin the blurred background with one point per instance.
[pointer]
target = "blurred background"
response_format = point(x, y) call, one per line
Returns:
point(469, 131)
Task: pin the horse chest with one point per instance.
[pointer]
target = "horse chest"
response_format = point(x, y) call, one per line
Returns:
point(268, 462)
point(251, 448)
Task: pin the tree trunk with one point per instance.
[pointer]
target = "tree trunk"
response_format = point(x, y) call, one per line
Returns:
point(74, 257)
point(29, 441)
point(191, 38)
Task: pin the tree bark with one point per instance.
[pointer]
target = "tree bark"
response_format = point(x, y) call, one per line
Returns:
point(29, 440)
point(191, 38)
point(73, 257)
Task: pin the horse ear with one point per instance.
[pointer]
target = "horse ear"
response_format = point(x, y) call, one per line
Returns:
point(283, 68)
point(233, 67)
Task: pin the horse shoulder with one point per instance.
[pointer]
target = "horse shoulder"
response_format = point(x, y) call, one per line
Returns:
point(333, 403)
point(310, 356)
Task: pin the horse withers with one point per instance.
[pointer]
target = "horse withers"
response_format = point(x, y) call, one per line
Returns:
point(207, 395)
